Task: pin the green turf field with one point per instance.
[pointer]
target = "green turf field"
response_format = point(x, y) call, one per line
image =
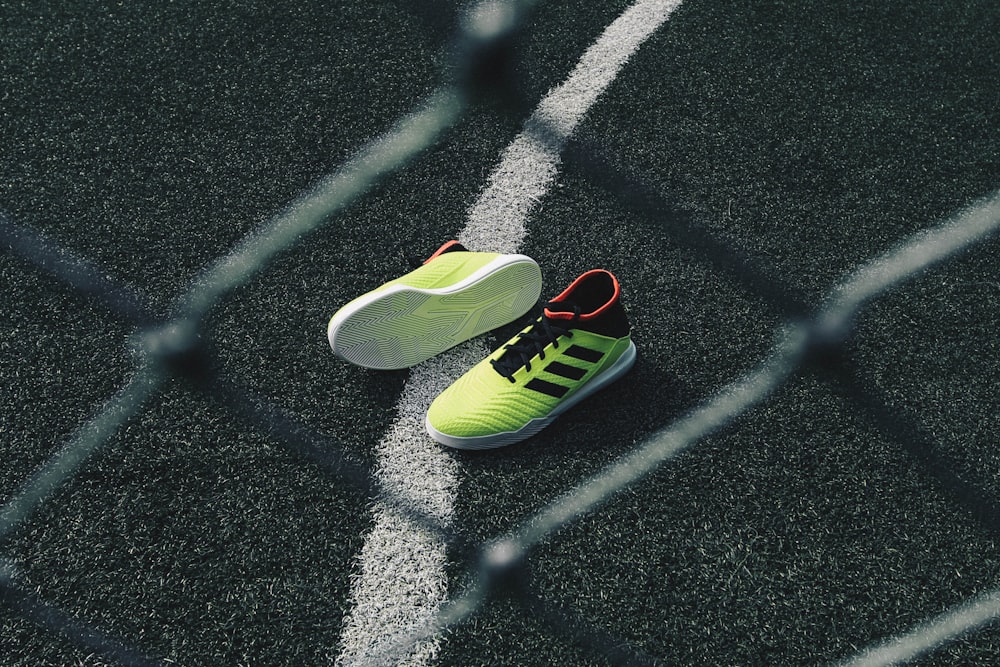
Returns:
point(744, 163)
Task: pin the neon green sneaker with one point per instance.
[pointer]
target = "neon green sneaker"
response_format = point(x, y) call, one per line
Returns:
point(454, 296)
point(580, 344)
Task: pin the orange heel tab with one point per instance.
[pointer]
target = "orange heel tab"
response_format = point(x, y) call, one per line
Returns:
point(450, 246)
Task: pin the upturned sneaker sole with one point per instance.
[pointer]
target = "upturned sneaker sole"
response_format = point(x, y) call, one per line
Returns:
point(401, 326)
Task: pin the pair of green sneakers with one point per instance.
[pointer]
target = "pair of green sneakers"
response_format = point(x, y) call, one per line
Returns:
point(578, 345)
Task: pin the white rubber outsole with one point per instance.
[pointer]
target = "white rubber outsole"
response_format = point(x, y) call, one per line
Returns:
point(401, 326)
point(598, 382)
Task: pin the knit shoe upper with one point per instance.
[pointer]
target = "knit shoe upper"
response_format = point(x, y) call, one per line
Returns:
point(455, 295)
point(580, 343)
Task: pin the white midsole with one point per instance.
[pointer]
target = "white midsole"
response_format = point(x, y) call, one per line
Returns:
point(501, 262)
point(599, 381)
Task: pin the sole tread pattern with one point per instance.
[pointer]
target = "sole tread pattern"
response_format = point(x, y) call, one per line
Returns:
point(407, 325)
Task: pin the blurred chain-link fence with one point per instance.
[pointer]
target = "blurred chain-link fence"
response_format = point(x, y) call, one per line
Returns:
point(482, 52)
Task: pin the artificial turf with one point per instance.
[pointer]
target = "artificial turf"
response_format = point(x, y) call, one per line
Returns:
point(812, 137)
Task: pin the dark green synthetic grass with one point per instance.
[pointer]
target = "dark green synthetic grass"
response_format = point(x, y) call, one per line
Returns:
point(811, 137)
point(149, 141)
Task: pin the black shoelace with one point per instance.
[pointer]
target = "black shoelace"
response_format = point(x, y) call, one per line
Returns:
point(533, 341)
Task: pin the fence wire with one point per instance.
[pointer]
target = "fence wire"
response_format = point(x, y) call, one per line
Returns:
point(480, 60)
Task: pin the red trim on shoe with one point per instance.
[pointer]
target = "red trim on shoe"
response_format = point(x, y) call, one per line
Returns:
point(589, 316)
point(442, 250)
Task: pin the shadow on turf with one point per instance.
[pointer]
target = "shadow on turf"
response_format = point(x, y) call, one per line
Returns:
point(32, 607)
point(911, 439)
point(653, 210)
point(566, 622)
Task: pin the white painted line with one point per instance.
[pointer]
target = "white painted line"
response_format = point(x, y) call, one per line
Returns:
point(931, 634)
point(529, 165)
point(401, 583)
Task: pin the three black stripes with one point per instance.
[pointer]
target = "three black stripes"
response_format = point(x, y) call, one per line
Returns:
point(564, 370)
